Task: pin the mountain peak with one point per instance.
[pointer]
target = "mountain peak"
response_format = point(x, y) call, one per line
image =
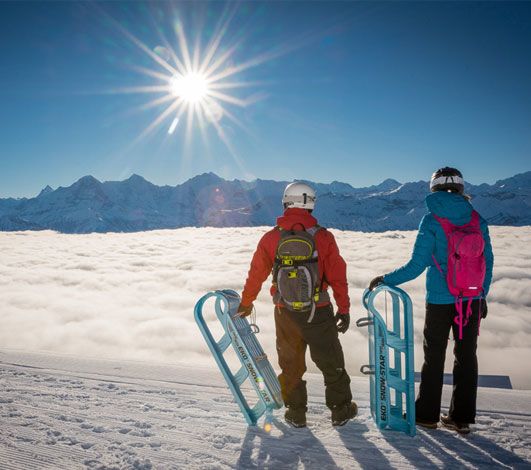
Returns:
point(134, 178)
point(88, 180)
point(338, 186)
point(521, 180)
point(210, 175)
point(205, 179)
point(47, 190)
point(388, 184)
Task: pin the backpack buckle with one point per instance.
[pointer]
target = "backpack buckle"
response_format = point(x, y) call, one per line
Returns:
point(297, 305)
point(287, 262)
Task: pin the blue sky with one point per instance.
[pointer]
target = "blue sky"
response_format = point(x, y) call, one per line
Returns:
point(355, 92)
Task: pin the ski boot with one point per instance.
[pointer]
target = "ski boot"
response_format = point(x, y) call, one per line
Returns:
point(343, 413)
point(449, 423)
point(296, 417)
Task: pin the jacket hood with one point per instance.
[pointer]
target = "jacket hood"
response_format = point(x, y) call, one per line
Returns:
point(450, 206)
point(296, 216)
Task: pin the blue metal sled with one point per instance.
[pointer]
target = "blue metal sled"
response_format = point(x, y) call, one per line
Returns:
point(391, 363)
point(255, 365)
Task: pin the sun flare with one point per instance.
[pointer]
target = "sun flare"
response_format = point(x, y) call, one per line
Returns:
point(197, 84)
point(192, 87)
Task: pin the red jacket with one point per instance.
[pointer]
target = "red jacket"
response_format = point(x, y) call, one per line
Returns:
point(329, 260)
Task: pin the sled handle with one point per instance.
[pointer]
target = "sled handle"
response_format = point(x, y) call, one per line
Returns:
point(365, 321)
point(366, 370)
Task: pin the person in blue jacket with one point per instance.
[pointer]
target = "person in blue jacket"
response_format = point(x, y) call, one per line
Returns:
point(447, 200)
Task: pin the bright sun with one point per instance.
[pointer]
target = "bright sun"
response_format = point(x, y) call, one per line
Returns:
point(191, 88)
point(196, 85)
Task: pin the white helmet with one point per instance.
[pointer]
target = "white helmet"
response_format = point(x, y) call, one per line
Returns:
point(299, 195)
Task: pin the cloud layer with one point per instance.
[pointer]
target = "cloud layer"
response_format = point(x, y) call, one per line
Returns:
point(131, 296)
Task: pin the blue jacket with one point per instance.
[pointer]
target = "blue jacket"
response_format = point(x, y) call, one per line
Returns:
point(431, 240)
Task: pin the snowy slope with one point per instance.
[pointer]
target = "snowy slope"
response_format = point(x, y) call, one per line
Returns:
point(135, 204)
point(67, 412)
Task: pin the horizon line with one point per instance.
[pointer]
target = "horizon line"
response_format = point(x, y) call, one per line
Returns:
point(244, 181)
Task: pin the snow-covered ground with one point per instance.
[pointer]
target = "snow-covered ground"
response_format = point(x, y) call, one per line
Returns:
point(67, 412)
point(131, 296)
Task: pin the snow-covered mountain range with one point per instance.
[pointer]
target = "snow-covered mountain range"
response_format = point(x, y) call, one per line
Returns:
point(135, 204)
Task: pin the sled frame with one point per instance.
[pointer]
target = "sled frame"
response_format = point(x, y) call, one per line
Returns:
point(255, 365)
point(391, 365)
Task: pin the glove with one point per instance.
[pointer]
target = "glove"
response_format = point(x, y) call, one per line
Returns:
point(342, 321)
point(376, 282)
point(244, 311)
point(484, 308)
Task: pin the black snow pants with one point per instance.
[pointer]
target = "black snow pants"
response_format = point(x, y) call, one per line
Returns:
point(294, 334)
point(439, 321)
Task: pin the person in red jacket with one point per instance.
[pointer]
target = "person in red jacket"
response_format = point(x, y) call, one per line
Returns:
point(305, 324)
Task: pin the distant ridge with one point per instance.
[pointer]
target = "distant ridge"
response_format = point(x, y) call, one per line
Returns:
point(208, 200)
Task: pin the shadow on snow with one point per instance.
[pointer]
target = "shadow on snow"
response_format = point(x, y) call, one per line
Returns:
point(440, 448)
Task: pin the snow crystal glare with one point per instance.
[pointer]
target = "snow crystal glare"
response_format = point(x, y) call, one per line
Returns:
point(173, 126)
point(162, 52)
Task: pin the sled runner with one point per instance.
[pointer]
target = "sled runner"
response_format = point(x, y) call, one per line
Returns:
point(391, 365)
point(254, 363)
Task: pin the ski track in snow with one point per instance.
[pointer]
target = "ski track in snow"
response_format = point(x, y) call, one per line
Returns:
point(66, 412)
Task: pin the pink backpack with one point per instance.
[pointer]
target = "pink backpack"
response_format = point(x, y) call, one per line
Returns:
point(466, 265)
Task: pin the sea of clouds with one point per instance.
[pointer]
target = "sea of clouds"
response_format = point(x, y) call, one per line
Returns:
point(131, 296)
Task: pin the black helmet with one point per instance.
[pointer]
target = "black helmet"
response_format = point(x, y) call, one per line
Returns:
point(447, 179)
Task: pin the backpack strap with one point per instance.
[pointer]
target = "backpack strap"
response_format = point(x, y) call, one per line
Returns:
point(474, 219)
point(462, 320)
point(313, 230)
point(445, 223)
point(437, 265)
